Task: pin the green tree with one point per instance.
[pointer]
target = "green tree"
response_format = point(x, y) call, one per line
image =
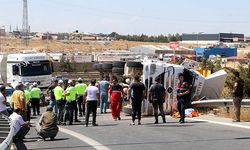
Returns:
point(85, 67)
point(66, 65)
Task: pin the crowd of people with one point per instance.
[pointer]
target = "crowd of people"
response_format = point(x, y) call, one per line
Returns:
point(72, 99)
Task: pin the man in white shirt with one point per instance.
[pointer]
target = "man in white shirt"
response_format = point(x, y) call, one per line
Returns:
point(21, 127)
point(92, 98)
point(3, 102)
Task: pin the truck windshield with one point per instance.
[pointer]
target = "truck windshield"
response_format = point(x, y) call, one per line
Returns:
point(36, 68)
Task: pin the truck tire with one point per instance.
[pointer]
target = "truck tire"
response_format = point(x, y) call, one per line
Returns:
point(117, 70)
point(119, 64)
point(107, 66)
point(134, 64)
point(99, 66)
point(95, 66)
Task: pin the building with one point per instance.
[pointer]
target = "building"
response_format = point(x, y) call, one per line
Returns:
point(160, 49)
point(212, 38)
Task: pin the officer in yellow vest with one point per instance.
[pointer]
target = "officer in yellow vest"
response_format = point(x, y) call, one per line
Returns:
point(27, 99)
point(60, 100)
point(80, 88)
point(71, 106)
point(35, 97)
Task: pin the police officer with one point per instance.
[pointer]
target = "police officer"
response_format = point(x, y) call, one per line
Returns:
point(80, 88)
point(27, 99)
point(183, 91)
point(71, 95)
point(35, 96)
point(60, 100)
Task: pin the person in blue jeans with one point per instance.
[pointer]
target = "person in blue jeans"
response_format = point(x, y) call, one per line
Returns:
point(103, 90)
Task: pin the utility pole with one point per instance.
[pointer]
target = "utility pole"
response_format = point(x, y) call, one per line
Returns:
point(25, 25)
point(1, 30)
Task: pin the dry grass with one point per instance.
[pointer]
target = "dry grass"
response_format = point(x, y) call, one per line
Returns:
point(14, 45)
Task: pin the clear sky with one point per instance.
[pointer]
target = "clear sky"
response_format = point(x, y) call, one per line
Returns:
point(151, 17)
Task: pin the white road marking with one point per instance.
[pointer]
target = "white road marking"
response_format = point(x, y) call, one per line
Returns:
point(222, 123)
point(85, 139)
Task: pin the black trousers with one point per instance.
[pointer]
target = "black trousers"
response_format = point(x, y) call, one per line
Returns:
point(136, 108)
point(181, 108)
point(72, 107)
point(91, 107)
point(22, 132)
point(81, 105)
point(35, 102)
point(158, 105)
point(61, 106)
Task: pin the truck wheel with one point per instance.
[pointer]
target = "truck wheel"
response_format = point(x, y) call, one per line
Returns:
point(119, 64)
point(95, 66)
point(119, 71)
point(134, 64)
point(99, 66)
point(107, 66)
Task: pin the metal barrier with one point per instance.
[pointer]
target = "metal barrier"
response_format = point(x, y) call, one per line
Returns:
point(219, 102)
point(6, 144)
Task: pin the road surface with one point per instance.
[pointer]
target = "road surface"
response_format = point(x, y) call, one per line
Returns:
point(205, 132)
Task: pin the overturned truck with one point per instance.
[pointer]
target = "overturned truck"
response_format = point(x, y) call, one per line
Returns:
point(201, 87)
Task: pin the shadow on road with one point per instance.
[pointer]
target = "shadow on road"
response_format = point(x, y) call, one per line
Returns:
point(243, 138)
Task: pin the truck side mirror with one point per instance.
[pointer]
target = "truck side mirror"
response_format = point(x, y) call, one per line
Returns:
point(15, 70)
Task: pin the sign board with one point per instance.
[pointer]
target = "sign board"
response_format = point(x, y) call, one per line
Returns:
point(174, 45)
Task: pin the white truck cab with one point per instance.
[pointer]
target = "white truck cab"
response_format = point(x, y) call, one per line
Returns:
point(26, 67)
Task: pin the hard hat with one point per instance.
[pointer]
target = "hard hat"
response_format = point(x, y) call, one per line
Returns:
point(70, 81)
point(35, 84)
point(60, 81)
point(79, 79)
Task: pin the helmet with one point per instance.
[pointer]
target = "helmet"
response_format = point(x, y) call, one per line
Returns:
point(35, 84)
point(70, 81)
point(79, 79)
point(60, 81)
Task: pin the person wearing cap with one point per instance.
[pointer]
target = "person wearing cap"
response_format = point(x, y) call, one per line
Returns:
point(92, 98)
point(18, 99)
point(80, 88)
point(3, 101)
point(71, 106)
point(35, 97)
point(50, 93)
point(27, 99)
point(59, 96)
point(116, 93)
point(47, 125)
point(103, 90)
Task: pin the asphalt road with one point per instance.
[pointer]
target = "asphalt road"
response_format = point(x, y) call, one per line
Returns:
point(193, 135)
